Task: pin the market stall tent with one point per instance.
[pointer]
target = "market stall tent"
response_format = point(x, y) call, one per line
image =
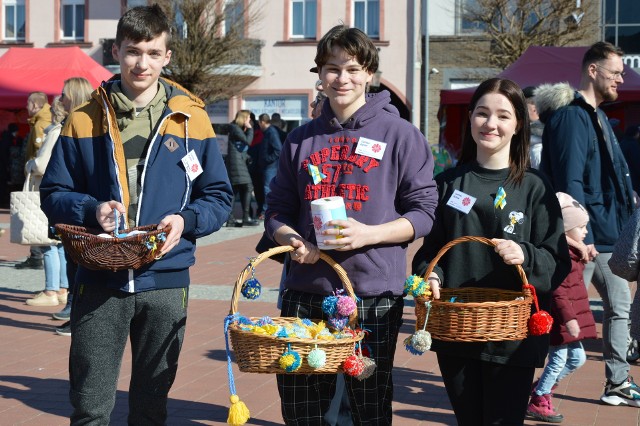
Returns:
point(26, 70)
point(536, 66)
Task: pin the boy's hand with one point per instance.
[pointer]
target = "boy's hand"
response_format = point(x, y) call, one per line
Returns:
point(173, 238)
point(352, 234)
point(104, 214)
point(304, 252)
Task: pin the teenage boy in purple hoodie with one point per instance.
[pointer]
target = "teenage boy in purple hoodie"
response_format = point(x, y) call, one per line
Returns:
point(382, 166)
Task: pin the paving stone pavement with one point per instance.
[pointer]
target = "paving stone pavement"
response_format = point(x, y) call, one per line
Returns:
point(34, 360)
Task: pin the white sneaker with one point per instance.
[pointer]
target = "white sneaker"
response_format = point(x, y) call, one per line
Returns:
point(626, 393)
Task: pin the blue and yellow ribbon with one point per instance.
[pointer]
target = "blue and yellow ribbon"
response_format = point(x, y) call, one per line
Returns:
point(316, 174)
point(500, 200)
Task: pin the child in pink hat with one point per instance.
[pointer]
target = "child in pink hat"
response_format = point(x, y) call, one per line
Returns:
point(572, 317)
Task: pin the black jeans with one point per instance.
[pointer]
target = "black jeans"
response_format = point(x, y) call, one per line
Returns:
point(485, 393)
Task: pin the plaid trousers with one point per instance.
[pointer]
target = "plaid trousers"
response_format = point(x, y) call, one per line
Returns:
point(306, 398)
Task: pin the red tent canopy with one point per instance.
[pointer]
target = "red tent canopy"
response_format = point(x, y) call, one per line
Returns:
point(26, 70)
point(536, 66)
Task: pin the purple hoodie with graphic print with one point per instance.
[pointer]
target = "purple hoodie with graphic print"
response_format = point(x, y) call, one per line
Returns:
point(375, 191)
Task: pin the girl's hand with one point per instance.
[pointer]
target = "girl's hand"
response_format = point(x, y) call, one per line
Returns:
point(435, 284)
point(510, 251)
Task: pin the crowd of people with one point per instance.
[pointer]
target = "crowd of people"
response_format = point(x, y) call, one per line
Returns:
point(540, 173)
point(253, 150)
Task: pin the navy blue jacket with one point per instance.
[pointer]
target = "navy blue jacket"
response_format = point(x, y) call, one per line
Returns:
point(87, 167)
point(270, 148)
point(583, 159)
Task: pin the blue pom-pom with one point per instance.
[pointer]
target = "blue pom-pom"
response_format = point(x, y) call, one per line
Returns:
point(282, 332)
point(338, 322)
point(244, 320)
point(330, 305)
point(264, 321)
point(251, 289)
point(307, 322)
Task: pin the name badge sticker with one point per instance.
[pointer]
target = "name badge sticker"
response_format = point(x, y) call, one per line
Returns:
point(461, 201)
point(371, 148)
point(192, 165)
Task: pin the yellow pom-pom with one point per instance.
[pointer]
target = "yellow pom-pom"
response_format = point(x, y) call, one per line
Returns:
point(238, 412)
point(286, 361)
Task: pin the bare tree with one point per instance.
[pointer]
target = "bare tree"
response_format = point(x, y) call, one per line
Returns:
point(211, 55)
point(514, 25)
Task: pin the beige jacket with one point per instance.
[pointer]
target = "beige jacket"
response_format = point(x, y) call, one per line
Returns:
point(37, 166)
point(40, 121)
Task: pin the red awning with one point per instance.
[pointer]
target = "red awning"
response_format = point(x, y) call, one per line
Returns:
point(25, 70)
point(536, 66)
point(539, 65)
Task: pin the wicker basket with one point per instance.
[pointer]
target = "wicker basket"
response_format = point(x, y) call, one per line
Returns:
point(91, 251)
point(257, 353)
point(481, 315)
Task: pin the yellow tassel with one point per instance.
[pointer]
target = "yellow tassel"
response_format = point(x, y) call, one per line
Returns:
point(238, 412)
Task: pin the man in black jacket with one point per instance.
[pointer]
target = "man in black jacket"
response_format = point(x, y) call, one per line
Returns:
point(581, 155)
point(270, 148)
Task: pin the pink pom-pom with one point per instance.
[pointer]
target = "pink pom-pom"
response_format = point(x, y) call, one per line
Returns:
point(353, 366)
point(346, 306)
point(540, 323)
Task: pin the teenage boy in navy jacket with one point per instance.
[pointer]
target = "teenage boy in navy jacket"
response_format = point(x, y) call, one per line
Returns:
point(143, 147)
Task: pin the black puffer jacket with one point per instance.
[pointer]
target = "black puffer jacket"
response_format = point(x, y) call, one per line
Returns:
point(237, 157)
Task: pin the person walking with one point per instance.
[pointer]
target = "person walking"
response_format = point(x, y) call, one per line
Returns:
point(143, 149)
point(572, 317)
point(75, 91)
point(39, 112)
point(492, 193)
point(270, 148)
point(390, 197)
point(55, 265)
point(237, 163)
point(582, 157)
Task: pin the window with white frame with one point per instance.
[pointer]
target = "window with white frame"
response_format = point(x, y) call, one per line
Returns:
point(366, 16)
point(14, 20)
point(303, 19)
point(234, 17)
point(465, 25)
point(72, 19)
point(622, 27)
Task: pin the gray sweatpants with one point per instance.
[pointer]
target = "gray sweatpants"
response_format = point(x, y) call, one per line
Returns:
point(101, 321)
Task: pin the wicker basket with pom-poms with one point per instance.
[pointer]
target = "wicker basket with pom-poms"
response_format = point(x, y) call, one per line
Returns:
point(260, 353)
point(474, 314)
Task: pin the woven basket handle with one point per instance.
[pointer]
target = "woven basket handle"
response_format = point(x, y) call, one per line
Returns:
point(483, 240)
point(246, 272)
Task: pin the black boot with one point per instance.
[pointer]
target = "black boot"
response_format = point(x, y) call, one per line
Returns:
point(247, 221)
point(232, 222)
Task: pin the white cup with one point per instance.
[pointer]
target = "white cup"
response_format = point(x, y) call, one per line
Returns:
point(322, 211)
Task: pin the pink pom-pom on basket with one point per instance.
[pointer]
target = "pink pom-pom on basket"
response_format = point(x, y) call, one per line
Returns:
point(346, 306)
